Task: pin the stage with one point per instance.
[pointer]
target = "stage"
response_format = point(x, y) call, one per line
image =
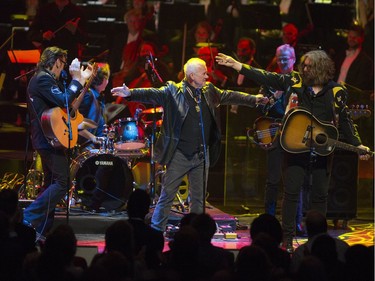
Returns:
point(233, 226)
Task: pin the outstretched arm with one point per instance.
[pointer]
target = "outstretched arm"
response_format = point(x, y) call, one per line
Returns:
point(228, 61)
point(121, 91)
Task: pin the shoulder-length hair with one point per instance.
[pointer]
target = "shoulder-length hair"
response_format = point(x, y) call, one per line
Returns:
point(322, 66)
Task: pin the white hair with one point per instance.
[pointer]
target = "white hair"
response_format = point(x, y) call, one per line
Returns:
point(192, 65)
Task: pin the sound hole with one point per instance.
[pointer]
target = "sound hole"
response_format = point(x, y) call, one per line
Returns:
point(321, 139)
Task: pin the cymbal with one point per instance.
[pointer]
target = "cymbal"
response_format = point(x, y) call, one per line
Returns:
point(149, 123)
point(87, 124)
point(152, 110)
point(206, 44)
point(111, 110)
point(17, 104)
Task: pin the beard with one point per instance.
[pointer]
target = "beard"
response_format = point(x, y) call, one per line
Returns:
point(308, 79)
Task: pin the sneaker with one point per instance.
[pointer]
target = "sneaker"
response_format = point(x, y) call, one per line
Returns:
point(300, 230)
point(288, 245)
point(28, 224)
point(39, 237)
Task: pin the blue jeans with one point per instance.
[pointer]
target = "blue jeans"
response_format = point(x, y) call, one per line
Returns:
point(40, 213)
point(179, 166)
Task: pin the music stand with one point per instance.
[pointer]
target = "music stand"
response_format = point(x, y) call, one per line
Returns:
point(24, 56)
point(175, 16)
point(331, 16)
point(260, 16)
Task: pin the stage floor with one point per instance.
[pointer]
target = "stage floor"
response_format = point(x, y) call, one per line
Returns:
point(233, 220)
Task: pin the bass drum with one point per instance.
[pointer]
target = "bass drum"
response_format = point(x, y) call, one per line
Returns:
point(102, 180)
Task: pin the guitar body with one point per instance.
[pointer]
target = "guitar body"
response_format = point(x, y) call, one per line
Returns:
point(265, 130)
point(296, 133)
point(55, 127)
point(55, 120)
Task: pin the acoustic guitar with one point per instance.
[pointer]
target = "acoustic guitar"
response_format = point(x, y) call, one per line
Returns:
point(265, 129)
point(301, 129)
point(55, 120)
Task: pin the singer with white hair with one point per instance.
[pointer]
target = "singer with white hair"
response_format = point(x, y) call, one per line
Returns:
point(190, 136)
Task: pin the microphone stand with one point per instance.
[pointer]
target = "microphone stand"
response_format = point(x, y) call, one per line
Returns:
point(199, 101)
point(153, 75)
point(70, 137)
point(152, 162)
point(150, 62)
point(312, 157)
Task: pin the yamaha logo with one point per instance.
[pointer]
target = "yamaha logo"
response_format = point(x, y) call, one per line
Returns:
point(104, 163)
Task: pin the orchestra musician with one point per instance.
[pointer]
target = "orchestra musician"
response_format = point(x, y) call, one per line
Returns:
point(59, 23)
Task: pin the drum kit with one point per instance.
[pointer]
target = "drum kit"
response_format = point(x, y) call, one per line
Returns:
point(122, 162)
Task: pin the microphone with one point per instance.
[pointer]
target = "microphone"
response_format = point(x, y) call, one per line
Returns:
point(64, 75)
point(311, 91)
point(85, 63)
point(151, 70)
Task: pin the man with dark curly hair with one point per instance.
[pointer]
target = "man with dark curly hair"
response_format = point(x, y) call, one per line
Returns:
point(319, 99)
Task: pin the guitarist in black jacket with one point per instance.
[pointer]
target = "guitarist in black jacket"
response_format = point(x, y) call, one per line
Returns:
point(46, 91)
point(313, 89)
point(273, 112)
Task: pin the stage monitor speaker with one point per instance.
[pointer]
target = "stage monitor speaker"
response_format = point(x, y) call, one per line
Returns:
point(342, 193)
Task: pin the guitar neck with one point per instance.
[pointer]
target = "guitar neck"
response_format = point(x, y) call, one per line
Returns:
point(348, 147)
point(76, 103)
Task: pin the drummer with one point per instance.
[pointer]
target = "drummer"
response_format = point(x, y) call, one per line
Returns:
point(92, 108)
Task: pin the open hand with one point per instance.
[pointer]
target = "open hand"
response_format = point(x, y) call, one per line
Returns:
point(121, 91)
point(228, 61)
point(48, 35)
point(366, 156)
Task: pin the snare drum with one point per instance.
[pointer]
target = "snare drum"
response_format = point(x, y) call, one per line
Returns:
point(130, 135)
point(103, 179)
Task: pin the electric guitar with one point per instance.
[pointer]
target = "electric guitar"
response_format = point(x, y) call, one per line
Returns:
point(300, 129)
point(358, 111)
point(265, 131)
point(55, 120)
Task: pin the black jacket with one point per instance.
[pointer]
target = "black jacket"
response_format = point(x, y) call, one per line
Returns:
point(328, 105)
point(171, 97)
point(44, 92)
point(361, 72)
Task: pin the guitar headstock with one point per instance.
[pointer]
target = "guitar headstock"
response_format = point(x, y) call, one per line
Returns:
point(358, 111)
point(94, 67)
